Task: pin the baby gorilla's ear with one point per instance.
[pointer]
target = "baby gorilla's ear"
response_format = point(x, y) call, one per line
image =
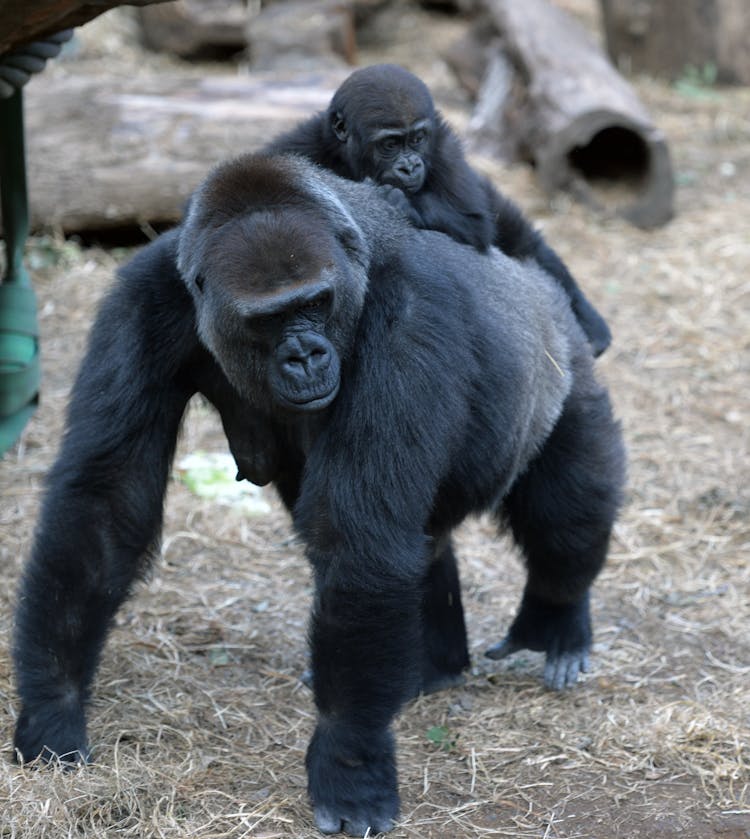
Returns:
point(338, 124)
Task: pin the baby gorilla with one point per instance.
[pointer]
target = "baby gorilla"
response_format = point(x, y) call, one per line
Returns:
point(382, 124)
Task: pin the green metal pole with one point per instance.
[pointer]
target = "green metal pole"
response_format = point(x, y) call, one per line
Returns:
point(13, 182)
point(19, 331)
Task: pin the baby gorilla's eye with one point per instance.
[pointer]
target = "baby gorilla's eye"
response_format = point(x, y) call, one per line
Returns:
point(389, 144)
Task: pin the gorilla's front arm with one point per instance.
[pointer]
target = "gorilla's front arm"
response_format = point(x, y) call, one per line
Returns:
point(363, 512)
point(457, 218)
point(103, 506)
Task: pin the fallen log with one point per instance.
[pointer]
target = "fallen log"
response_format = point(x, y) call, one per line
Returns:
point(117, 153)
point(194, 28)
point(302, 33)
point(552, 98)
point(677, 38)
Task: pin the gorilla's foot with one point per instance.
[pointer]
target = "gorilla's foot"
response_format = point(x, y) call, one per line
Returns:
point(352, 780)
point(560, 669)
point(562, 631)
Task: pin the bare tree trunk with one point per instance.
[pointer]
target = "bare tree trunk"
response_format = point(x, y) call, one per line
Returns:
point(555, 100)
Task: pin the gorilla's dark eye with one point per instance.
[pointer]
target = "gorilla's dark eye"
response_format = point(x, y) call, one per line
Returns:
point(264, 325)
point(319, 302)
point(389, 144)
point(418, 138)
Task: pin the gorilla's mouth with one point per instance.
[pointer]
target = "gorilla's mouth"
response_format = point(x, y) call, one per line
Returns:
point(406, 183)
point(309, 402)
point(413, 184)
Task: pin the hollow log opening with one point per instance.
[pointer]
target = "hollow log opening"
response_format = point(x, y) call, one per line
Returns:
point(614, 154)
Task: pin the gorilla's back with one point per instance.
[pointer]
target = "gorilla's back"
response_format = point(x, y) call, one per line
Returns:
point(510, 344)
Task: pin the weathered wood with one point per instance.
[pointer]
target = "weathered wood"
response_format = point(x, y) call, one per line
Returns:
point(568, 111)
point(469, 55)
point(115, 152)
point(22, 21)
point(193, 27)
point(667, 37)
point(299, 33)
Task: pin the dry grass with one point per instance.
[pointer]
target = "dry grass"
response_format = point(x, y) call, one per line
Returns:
point(199, 723)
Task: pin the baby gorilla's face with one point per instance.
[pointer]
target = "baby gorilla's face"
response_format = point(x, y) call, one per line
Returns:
point(399, 156)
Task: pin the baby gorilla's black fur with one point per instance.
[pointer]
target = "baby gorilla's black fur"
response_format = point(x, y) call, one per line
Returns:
point(382, 124)
point(394, 382)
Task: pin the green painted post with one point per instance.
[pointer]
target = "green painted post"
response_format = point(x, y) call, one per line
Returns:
point(19, 331)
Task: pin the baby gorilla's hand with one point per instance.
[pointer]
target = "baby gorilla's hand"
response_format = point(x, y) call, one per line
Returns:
point(397, 198)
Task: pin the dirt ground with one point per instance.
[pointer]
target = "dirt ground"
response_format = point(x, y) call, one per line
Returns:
point(199, 722)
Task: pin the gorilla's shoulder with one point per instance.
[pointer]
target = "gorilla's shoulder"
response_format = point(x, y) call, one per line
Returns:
point(150, 291)
point(155, 262)
point(426, 266)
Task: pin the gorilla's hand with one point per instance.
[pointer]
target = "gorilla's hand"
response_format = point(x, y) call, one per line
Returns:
point(55, 731)
point(397, 198)
point(563, 631)
point(394, 196)
point(352, 780)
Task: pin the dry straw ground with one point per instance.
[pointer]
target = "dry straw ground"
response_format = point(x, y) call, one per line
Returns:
point(199, 722)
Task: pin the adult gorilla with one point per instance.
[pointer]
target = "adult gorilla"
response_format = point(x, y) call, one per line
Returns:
point(389, 397)
point(382, 124)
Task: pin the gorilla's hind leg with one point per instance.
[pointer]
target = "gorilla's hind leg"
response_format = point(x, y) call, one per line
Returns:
point(561, 511)
point(446, 653)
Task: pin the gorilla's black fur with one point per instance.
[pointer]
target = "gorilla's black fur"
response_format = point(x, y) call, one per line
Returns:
point(382, 124)
point(390, 382)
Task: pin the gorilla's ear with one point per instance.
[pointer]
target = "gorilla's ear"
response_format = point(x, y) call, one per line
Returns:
point(351, 240)
point(346, 230)
point(348, 234)
point(338, 124)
